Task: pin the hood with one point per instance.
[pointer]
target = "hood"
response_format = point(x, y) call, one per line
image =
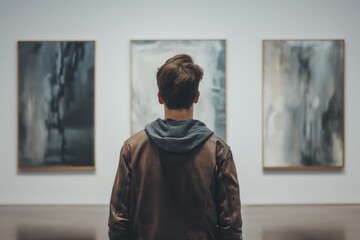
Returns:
point(178, 136)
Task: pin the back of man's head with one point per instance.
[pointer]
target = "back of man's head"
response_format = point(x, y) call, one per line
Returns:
point(178, 81)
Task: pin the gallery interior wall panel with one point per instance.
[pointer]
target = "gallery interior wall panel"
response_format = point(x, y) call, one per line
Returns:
point(243, 24)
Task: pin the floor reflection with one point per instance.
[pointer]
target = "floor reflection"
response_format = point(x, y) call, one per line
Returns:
point(303, 234)
point(53, 233)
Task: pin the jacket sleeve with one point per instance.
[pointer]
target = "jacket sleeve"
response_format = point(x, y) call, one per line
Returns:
point(120, 199)
point(228, 197)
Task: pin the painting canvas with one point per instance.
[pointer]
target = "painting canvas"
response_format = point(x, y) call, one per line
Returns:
point(148, 55)
point(303, 104)
point(56, 105)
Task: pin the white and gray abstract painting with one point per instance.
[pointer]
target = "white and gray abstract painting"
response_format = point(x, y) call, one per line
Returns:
point(303, 106)
point(147, 56)
point(56, 104)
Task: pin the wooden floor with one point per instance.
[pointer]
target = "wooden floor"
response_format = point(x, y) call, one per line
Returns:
point(260, 222)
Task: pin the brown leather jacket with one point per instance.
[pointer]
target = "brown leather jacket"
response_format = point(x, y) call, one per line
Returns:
point(159, 195)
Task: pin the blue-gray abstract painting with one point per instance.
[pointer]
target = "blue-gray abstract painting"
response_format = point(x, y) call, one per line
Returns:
point(303, 104)
point(148, 55)
point(56, 105)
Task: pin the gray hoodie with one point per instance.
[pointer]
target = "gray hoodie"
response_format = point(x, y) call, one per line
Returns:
point(178, 136)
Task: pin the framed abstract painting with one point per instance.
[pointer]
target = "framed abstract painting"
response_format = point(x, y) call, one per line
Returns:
point(303, 104)
point(56, 96)
point(148, 55)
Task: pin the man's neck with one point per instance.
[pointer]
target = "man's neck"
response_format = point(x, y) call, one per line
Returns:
point(176, 114)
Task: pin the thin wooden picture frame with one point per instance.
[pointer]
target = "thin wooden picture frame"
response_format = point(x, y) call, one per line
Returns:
point(56, 81)
point(303, 104)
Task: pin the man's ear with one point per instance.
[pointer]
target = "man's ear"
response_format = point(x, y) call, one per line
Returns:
point(160, 99)
point(197, 97)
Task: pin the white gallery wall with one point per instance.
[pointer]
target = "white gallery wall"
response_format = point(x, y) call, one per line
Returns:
point(243, 23)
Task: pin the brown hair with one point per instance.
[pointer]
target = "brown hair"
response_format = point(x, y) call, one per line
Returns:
point(178, 81)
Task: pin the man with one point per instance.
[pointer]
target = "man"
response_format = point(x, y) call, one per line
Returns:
point(176, 180)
